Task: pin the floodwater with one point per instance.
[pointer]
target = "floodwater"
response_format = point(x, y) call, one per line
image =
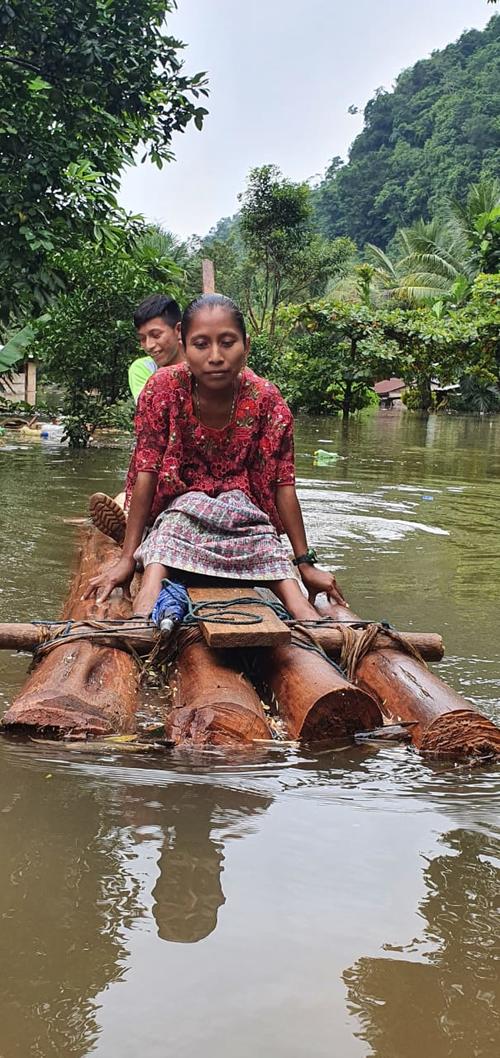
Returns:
point(330, 903)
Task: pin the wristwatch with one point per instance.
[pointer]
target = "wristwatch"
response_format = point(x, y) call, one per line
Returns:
point(309, 558)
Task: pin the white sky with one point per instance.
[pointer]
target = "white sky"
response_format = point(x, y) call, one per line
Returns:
point(282, 74)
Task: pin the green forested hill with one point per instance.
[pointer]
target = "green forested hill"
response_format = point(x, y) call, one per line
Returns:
point(434, 135)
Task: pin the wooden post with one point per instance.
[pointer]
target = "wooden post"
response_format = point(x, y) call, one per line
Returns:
point(30, 381)
point(82, 688)
point(208, 276)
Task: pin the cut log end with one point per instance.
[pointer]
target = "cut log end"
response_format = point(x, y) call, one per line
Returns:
point(340, 714)
point(219, 724)
point(58, 716)
point(462, 734)
point(213, 704)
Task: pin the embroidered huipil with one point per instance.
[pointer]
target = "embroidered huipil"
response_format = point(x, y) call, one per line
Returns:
point(254, 452)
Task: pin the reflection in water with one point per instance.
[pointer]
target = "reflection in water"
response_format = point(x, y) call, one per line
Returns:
point(107, 861)
point(446, 1002)
point(73, 886)
point(188, 892)
point(63, 903)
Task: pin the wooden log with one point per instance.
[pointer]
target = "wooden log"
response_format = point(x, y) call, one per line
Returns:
point(314, 700)
point(137, 635)
point(429, 644)
point(141, 635)
point(212, 701)
point(269, 631)
point(82, 688)
point(446, 724)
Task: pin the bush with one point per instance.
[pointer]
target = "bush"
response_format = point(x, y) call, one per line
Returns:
point(87, 341)
point(474, 398)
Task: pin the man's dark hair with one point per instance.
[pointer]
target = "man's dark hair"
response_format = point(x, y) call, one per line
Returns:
point(157, 305)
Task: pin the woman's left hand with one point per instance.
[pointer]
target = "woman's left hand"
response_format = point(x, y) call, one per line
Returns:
point(318, 580)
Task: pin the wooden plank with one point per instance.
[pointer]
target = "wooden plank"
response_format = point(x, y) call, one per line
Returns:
point(269, 632)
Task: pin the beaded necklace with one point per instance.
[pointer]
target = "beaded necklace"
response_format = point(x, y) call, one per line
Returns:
point(197, 408)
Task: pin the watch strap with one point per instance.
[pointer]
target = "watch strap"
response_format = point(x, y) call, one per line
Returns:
point(310, 557)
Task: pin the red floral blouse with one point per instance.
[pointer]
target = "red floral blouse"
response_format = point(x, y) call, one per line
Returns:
point(254, 452)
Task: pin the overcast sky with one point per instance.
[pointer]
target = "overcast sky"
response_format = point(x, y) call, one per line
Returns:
point(282, 74)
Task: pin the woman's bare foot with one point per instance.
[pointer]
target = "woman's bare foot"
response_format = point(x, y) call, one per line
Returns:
point(108, 516)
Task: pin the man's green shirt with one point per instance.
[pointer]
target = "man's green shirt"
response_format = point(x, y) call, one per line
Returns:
point(138, 374)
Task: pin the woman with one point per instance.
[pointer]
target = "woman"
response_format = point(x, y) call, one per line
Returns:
point(213, 470)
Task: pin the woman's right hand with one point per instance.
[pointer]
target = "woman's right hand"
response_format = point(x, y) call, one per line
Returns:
point(115, 576)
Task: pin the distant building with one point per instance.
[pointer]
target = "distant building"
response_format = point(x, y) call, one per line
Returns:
point(390, 392)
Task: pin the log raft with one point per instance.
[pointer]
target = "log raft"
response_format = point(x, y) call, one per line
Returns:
point(89, 687)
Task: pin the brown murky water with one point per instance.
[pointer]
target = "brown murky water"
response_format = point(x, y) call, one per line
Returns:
point(337, 904)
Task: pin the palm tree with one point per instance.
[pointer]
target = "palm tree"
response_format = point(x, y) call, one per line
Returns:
point(439, 259)
point(431, 260)
point(478, 222)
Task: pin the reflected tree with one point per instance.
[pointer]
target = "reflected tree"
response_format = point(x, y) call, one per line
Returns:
point(445, 1001)
point(63, 908)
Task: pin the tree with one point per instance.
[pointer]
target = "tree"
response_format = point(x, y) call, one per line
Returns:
point(275, 221)
point(428, 139)
point(430, 260)
point(87, 340)
point(270, 253)
point(83, 84)
point(440, 258)
point(450, 345)
point(476, 222)
point(333, 355)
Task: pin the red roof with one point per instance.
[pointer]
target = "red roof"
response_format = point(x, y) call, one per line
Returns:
point(388, 385)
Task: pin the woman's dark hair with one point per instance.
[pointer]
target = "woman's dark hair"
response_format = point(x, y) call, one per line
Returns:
point(212, 301)
point(157, 305)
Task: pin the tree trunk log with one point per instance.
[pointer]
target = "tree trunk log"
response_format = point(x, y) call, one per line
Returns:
point(212, 701)
point(314, 700)
point(82, 688)
point(143, 636)
point(445, 724)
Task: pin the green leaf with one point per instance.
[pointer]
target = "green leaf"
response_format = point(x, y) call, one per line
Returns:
point(37, 84)
point(15, 349)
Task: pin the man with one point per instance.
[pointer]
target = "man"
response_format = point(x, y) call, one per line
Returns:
point(157, 321)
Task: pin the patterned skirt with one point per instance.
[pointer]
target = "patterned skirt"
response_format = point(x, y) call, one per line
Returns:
point(221, 536)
